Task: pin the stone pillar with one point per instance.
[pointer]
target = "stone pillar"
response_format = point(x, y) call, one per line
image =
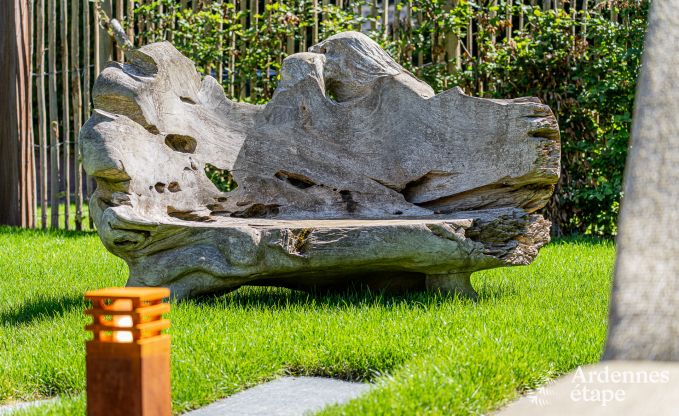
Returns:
point(644, 316)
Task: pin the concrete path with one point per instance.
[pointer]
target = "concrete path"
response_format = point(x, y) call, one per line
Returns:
point(288, 396)
point(609, 388)
point(8, 409)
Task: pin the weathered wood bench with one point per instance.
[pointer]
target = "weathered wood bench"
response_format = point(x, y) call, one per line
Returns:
point(354, 172)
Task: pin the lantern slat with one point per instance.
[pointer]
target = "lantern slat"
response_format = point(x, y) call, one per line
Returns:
point(141, 293)
point(144, 311)
point(136, 329)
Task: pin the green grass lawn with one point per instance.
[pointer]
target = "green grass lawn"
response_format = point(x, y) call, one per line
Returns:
point(427, 354)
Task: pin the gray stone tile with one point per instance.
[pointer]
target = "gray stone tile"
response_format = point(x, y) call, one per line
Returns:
point(289, 396)
point(8, 409)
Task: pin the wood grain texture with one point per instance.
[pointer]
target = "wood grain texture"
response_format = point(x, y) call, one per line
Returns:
point(354, 168)
point(42, 107)
point(77, 109)
point(52, 50)
point(17, 192)
point(129, 379)
point(65, 112)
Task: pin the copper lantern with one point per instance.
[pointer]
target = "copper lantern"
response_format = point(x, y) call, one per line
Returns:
point(128, 359)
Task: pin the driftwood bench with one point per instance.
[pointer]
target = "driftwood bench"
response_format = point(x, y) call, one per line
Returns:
point(354, 172)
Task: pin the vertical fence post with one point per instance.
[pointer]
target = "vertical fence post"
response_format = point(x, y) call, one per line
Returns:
point(267, 77)
point(435, 55)
point(420, 54)
point(120, 7)
point(290, 33)
point(31, 35)
point(142, 35)
point(303, 29)
point(493, 15)
point(452, 43)
point(220, 43)
point(480, 33)
point(97, 43)
point(232, 59)
point(42, 108)
point(385, 19)
point(150, 24)
point(97, 67)
point(324, 11)
point(130, 22)
point(314, 31)
point(409, 32)
point(77, 112)
point(585, 17)
point(162, 23)
point(254, 14)
point(434, 41)
point(470, 34)
point(508, 20)
point(53, 112)
point(65, 113)
point(290, 41)
point(373, 15)
point(86, 56)
point(106, 45)
point(574, 16)
point(359, 13)
point(254, 23)
point(243, 25)
point(396, 20)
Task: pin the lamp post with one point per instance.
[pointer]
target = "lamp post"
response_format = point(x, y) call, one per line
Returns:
point(128, 359)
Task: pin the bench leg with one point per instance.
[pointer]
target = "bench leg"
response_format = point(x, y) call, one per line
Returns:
point(451, 283)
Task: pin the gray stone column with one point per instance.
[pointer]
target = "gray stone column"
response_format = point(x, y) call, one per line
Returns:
point(644, 316)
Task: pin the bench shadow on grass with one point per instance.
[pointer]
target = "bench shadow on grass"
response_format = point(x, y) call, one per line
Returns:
point(269, 297)
point(278, 297)
point(35, 309)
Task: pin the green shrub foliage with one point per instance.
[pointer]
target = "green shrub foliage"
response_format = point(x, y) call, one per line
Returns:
point(584, 65)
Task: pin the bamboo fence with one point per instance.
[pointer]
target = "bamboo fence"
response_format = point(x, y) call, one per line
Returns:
point(70, 48)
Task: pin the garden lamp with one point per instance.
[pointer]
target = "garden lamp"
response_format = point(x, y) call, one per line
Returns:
point(128, 359)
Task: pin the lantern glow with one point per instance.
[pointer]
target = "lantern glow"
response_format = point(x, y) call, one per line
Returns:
point(128, 359)
point(123, 321)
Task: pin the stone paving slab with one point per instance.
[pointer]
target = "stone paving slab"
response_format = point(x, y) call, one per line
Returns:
point(288, 396)
point(609, 388)
point(8, 409)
